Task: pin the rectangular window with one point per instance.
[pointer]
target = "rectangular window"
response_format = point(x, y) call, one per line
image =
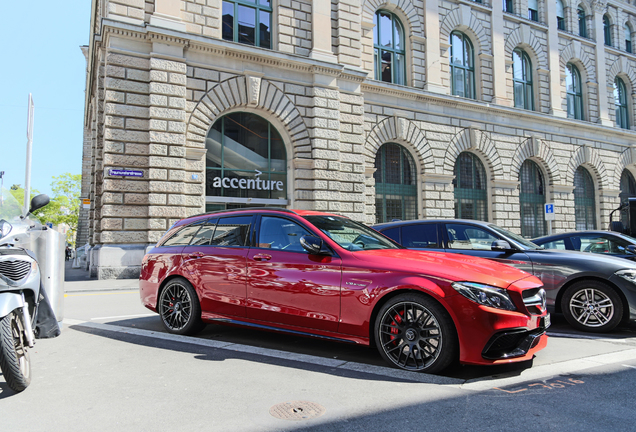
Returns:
point(561, 23)
point(533, 15)
point(231, 231)
point(421, 236)
point(228, 21)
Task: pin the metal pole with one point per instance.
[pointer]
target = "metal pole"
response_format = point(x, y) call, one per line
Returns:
point(27, 175)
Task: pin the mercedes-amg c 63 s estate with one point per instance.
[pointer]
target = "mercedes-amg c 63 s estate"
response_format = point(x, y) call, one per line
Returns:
point(327, 276)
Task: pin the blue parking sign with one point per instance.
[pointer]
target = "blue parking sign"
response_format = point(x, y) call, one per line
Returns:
point(549, 211)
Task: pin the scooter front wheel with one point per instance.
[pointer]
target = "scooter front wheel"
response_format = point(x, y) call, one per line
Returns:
point(15, 362)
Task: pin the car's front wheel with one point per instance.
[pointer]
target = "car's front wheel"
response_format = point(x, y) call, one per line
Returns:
point(179, 308)
point(592, 306)
point(413, 332)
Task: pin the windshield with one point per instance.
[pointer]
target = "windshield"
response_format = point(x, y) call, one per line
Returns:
point(10, 209)
point(351, 235)
point(516, 238)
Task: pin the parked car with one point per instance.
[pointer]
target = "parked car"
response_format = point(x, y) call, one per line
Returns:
point(603, 242)
point(594, 292)
point(324, 275)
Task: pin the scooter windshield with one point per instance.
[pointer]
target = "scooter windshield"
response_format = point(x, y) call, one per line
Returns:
point(10, 209)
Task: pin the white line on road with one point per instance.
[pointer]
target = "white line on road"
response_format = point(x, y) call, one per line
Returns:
point(535, 373)
point(630, 366)
point(580, 336)
point(124, 316)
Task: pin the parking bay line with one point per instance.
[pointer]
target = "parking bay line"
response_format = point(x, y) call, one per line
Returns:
point(535, 373)
point(124, 316)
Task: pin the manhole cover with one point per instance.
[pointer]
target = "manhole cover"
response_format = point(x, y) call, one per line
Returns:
point(297, 410)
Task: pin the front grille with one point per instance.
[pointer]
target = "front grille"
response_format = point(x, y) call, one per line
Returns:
point(15, 269)
point(535, 300)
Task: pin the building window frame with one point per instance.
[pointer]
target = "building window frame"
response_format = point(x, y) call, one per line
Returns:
point(560, 15)
point(607, 31)
point(395, 184)
point(582, 22)
point(395, 51)
point(533, 10)
point(584, 200)
point(462, 66)
point(471, 189)
point(532, 200)
point(627, 190)
point(508, 6)
point(620, 104)
point(262, 10)
point(522, 80)
point(574, 92)
point(628, 38)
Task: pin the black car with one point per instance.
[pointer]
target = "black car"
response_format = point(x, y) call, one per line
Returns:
point(603, 242)
point(594, 292)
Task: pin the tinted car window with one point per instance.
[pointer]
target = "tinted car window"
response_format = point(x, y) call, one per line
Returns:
point(183, 236)
point(420, 236)
point(392, 233)
point(231, 231)
point(205, 234)
point(281, 233)
point(469, 237)
point(556, 244)
point(600, 244)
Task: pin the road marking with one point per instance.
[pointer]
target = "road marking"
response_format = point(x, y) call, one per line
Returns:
point(578, 336)
point(101, 293)
point(630, 366)
point(124, 316)
point(533, 374)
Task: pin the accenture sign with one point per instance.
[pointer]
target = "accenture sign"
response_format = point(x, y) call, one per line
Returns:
point(247, 184)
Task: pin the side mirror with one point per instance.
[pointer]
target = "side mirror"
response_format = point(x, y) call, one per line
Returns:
point(38, 202)
point(632, 248)
point(500, 245)
point(313, 245)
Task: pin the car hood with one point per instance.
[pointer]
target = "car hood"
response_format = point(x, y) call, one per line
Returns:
point(449, 266)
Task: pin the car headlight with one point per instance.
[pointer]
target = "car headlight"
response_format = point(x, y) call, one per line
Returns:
point(629, 275)
point(485, 295)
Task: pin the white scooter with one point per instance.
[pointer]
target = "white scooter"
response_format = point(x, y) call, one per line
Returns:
point(25, 312)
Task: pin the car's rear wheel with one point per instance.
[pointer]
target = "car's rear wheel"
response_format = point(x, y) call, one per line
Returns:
point(413, 332)
point(179, 308)
point(592, 306)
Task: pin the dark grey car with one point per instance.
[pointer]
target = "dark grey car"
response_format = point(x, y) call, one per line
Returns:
point(602, 242)
point(594, 292)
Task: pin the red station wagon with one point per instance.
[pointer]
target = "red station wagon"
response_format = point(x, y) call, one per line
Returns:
point(327, 276)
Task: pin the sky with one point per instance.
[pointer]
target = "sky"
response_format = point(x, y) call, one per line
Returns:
point(40, 54)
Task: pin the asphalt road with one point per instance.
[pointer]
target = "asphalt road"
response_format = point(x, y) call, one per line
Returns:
point(114, 368)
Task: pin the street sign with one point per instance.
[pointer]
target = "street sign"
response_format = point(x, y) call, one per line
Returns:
point(86, 203)
point(126, 173)
point(549, 211)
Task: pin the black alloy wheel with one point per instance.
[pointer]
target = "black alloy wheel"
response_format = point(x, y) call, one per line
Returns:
point(415, 333)
point(592, 306)
point(15, 361)
point(179, 308)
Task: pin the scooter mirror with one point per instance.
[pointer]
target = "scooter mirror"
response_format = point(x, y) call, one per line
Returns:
point(5, 228)
point(38, 202)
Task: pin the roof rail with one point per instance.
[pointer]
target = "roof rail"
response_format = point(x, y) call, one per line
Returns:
point(244, 209)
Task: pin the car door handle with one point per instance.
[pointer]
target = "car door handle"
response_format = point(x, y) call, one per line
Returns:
point(262, 257)
point(196, 255)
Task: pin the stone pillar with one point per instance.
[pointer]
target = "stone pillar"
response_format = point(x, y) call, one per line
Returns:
point(608, 201)
point(433, 53)
point(601, 73)
point(321, 31)
point(564, 216)
point(167, 14)
point(556, 99)
point(438, 199)
point(505, 204)
point(348, 32)
point(499, 59)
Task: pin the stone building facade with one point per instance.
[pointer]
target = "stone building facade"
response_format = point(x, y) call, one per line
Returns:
point(368, 108)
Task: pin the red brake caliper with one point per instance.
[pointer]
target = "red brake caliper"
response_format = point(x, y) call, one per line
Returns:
point(397, 319)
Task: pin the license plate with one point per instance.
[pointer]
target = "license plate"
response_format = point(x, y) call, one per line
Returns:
point(545, 321)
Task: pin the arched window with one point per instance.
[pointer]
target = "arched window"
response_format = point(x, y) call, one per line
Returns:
point(607, 31)
point(248, 22)
point(508, 6)
point(471, 200)
point(522, 77)
point(532, 200)
point(628, 190)
point(560, 15)
point(462, 66)
point(574, 92)
point(584, 200)
point(533, 10)
point(246, 162)
point(582, 23)
point(395, 190)
point(628, 38)
point(388, 45)
point(620, 104)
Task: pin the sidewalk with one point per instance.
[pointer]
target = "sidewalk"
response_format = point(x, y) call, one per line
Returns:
point(78, 280)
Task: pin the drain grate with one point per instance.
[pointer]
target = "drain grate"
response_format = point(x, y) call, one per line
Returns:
point(297, 410)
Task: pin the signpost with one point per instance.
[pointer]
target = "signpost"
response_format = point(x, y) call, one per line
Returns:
point(549, 216)
point(27, 180)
